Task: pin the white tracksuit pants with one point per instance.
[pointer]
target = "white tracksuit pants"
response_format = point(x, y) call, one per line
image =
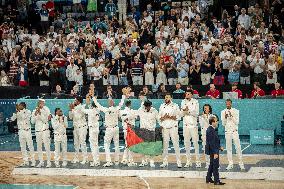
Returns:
point(203, 137)
point(94, 140)
point(149, 78)
point(60, 140)
point(172, 134)
point(80, 135)
point(43, 137)
point(111, 133)
point(233, 136)
point(191, 133)
point(25, 139)
point(127, 156)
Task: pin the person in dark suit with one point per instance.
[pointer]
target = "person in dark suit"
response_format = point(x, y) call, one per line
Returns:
point(212, 148)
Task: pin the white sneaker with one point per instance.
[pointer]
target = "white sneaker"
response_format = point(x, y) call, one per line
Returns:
point(198, 164)
point(108, 164)
point(164, 164)
point(152, 164)
point(179, 165)
point(124, 162)
point(25, 163)
point(48, 164)
point(33, 163)
point(188, 164)
point(97, 164)
point(142, 164)
point(83, 162)
point(132, 164)
point(242, 167)
point(64, 164)
point(40, 164)
point(207, 165)
point(75, 160)
point(230, 166)
point(92, 164)
point(116, 163)
point(57, 164)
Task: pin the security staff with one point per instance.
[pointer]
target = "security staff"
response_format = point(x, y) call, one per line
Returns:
point(230, 120)
point(128, 116)
point(77, 114)
point(112, 130)
point(40, 117)
point(59, 124)
point(169, 114)
point(190, 110)
point(212, 148)
point(23, 117)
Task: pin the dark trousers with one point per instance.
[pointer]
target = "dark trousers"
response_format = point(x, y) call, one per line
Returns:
point(213, 169)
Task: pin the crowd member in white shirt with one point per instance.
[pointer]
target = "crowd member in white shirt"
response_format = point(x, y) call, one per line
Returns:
point(77, 114)
point(148, 70)
point(230, 120)
point(244, 20)
point(204, 124)
point(225, 54)
point(112, 130)
point(206, 45)
point(148, 120)
point(94, 129)
point(71, 73)
point(190, 110)
point(258, 66)
point(169, 114)
point(97, 73)
point(40, 117)
point(128, 117)
point(34, 37)
point(59, 124)
point(90, 63)
point(23, 117)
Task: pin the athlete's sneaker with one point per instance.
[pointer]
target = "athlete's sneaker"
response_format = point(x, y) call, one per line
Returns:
point(75, 160)
point(164, 164)
point(33, 163)
point(132, 164)
point(40, 164)
point(152, 164)
point(48, 164)
point(230, 166)
point(64, 164)
point(242, 167)
point(25, 163)
point(207, 165)
point(108, 164)
point(198, 164)
point(57, 164)
point(124, 162)
point(188, 164)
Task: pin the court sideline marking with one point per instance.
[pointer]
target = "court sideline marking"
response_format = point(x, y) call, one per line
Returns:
point(147, 184)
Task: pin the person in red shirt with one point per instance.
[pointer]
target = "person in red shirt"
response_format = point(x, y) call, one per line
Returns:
point(50, 7)
point(257, 91)
point(235, 89)
point(195, 92)
point(213, 93)
point(278, 91)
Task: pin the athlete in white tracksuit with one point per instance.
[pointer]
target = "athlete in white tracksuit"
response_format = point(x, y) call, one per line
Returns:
point(230, 120)
point(94, 129)
point(77, 114)
point(40, 117)
point(59, 124)
point(169, 114)
point(128, 116)
point(204, 124)
point(112, 130)
point(148, 120)
point(190, 110)
point(23, 117)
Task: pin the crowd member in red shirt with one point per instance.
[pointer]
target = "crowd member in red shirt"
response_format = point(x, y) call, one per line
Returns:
point(257, 90)
point(235, 89)
point(195, 92)
point(278, 91)
point(213, 93)
point(50, 7)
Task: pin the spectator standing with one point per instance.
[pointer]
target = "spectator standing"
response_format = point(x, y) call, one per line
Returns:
point(110, 9)
point(271, 70)
point(182, 69)
point(123, 73)
point(137, 68)
point(244, 70)
point(71, 74)
point(113, 72)
point(234, 70)
point(44, 19)
point(258, 66)
point(23, 75)
point(206, 65)
point(171, 72)
point(149, 72)
point(244, 20)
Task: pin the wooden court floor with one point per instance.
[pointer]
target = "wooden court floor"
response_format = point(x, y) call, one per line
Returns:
point(9, 160)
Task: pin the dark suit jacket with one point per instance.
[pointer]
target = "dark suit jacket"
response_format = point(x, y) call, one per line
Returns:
point(212, 141)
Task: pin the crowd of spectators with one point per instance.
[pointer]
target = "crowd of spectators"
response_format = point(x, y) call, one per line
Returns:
point(171, 46)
